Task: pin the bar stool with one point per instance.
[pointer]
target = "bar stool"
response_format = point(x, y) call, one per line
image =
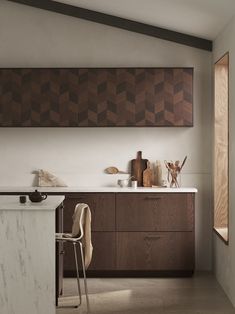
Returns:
point(77, 242)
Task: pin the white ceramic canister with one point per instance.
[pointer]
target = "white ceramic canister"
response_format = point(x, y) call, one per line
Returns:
point(134, 184)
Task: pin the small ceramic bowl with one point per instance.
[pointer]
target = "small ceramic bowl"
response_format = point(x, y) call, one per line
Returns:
point(123, 183)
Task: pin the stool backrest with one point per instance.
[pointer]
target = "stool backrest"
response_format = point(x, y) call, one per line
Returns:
point(78, 220)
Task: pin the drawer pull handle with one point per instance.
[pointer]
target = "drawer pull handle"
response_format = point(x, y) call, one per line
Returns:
point(153, 198)
point(76, 197)
point(152, 237)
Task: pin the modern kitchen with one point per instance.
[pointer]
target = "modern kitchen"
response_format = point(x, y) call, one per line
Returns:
point(116, 136)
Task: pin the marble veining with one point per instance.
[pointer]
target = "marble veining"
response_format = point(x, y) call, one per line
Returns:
point(12, 203)
point(27, 259)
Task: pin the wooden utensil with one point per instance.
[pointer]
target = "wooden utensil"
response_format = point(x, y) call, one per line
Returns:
point(138, 166)
point(185, 158)
point(148, 176)
point(114, 170)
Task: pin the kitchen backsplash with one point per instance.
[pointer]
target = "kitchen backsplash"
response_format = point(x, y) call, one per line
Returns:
point(79, 156)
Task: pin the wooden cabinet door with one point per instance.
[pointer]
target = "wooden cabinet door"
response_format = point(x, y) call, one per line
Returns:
point(155, 212)
point(104, 251)
point(155, 251)
point(98, 97)
point(102, 207)
point(104, 254)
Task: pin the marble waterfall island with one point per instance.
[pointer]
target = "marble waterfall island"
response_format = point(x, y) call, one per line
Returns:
point(27, 255)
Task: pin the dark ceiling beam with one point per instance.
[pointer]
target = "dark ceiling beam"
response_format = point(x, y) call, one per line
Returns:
point(119, 22)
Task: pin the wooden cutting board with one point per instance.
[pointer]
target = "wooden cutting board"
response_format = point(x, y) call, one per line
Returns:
point(138, 166)
point(148, 176)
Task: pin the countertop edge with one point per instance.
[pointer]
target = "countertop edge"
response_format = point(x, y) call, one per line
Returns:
point(11, 203)
point(19, 190)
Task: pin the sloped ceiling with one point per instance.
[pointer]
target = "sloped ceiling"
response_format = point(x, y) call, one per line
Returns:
point(201, 18)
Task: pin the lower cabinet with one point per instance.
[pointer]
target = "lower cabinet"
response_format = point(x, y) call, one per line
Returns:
point(104, 251)
point(136, 232)
point(132, 233)
point(104, 254)
point(154, 212)
point(158, 251)
point(102, 207)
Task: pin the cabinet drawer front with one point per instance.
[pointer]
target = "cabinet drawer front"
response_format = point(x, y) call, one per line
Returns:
point(155, 251)
point(104, 253)
point(155, 212)
point(102, 210)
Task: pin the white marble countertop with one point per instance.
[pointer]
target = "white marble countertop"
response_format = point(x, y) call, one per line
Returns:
point(74, 189)
point(12, 203)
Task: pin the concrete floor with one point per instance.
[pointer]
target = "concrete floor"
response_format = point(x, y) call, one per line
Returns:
point(198, 295)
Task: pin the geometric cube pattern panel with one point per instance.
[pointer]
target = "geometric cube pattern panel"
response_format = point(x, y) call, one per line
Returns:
point(96, 97)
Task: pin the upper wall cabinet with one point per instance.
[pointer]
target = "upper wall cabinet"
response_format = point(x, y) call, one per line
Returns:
point(111, 97)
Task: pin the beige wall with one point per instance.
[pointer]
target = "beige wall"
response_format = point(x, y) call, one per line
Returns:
point(35, 38)
point(224, 255)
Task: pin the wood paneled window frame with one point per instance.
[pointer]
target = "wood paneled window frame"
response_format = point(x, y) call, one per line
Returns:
point(221, 148)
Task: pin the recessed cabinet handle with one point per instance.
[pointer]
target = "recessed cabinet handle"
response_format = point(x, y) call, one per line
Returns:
point(153, 198)
point(153, 237)
point(72, 197)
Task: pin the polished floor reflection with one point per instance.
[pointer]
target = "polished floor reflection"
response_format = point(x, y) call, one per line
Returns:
point(198, 295)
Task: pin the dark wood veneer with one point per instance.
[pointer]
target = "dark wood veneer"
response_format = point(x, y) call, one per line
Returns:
point(102, 207)
point(96, 97)
point(104, 251)
point(102, 210)
point(154, 212)
point(155, 250)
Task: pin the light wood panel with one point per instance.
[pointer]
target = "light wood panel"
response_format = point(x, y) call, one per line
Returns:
point(221, 144)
